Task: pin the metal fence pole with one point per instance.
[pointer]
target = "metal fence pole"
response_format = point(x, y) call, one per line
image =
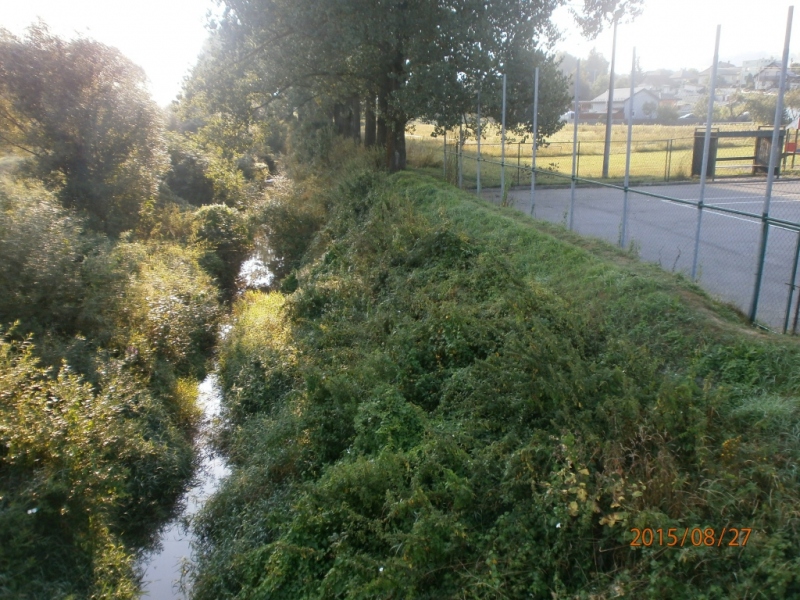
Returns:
point(503, 143)
point(519, 155)
point(444, 159)
point(478, 160)
point(624, 227)
point(535, 127)
point(773, 161)
point(669, 159)
point(666, 161)
point(706, 147)
point(461, 155)
point(574, 145)
point(792, 283)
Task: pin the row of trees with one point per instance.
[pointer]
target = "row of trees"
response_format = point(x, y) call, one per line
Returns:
point(759, 106)
point(388, 61)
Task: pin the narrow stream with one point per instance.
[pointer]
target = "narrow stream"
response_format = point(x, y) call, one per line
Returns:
point(162, 568)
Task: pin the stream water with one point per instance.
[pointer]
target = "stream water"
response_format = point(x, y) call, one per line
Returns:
point(162, 568)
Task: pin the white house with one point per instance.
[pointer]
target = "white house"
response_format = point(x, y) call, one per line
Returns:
point(644, 103)
point(768, 77)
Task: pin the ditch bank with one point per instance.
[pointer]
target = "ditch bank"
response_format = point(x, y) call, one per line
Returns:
point(449, 396)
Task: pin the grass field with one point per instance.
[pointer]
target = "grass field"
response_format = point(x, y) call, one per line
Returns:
point(659, 153)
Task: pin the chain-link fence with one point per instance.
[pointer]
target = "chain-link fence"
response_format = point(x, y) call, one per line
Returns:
point(737, 236)
point(660, 222)
point(721, 206)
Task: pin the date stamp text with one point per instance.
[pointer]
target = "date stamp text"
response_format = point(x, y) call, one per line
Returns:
point(691, 536)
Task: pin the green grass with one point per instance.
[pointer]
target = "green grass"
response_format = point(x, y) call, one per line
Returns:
point(451, 400)
point(653, 157)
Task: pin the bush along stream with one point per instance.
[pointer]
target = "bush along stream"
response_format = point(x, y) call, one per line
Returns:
point(102, 344)
point(444, 399)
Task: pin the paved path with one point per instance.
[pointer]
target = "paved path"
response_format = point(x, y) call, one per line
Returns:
point(664, 233)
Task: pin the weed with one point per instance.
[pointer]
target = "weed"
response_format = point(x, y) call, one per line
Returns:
point(453, 393)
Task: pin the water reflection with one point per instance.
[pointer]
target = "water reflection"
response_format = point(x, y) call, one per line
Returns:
point(162, 569)
point(254, 273)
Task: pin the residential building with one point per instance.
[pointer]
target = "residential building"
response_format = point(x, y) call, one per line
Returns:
point(644, 104)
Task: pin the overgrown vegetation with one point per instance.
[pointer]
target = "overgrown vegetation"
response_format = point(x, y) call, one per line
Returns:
point(101, 346)
point(449, 400)
point(110, 297)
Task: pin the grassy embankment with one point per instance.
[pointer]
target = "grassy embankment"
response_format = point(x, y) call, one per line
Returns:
point(651, 157)
point(450, 400)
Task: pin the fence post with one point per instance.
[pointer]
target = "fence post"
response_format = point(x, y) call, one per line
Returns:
point(535, 126)
point(478, 160)
point(461, 155)
point(666, 162)
point(578, 165)
point(444, 159)
point(792, 283)
point(574, 145)
point(706, 146)
point(519, 153)
point(773, 161)
point(503, 143)
point(669, 159)
point(624, 227)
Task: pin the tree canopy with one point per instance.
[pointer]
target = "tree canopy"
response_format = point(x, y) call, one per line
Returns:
point(398, 59)
point(81, 111)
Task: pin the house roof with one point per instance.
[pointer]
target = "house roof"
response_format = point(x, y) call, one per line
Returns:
point(722, 66)
point(622, 94)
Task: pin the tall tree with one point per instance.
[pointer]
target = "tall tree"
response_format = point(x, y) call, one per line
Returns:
point(81, 111)
point(421, 59)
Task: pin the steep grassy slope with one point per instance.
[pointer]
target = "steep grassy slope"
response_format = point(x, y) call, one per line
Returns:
point(450, 400)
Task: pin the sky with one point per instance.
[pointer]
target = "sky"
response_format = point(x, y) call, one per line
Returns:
point(676, 34)
point(165, 36)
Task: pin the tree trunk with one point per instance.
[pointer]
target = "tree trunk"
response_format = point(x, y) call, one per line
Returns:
point(355, 119)
point(370, 123)
point(395, 120)
point(338, 119)
point(396, 146)
point(383, 107)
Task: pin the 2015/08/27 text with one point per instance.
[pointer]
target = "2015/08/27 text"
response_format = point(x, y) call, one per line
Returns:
point(736, 537)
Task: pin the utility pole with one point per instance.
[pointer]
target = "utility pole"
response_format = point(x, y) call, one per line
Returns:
point(610, 107)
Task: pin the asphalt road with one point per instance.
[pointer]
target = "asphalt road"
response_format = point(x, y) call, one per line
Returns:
point(664, 233)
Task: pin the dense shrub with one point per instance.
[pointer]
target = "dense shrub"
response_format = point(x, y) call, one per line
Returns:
point(80, 473)
point(290, 216)
point(453, 404)
point(188, 174)
point(97, 411)
point(225, 232)
point(43, 247)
